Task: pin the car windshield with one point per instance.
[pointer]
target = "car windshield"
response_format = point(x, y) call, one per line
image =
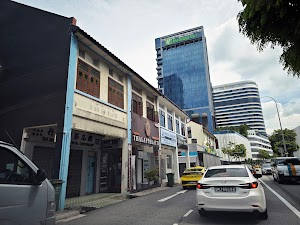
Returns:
point(266, 165)
point(192, 173)
point(293, 161)
point(227, 172)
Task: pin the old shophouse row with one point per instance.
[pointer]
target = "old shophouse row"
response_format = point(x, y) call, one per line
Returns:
point(81, 114)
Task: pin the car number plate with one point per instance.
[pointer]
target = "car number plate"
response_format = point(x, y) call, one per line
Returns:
point(192, 182)
point(225, 189)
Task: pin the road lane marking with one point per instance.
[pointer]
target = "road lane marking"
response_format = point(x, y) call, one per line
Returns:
point(292, 208)
point(188, 213)
point(167, 198)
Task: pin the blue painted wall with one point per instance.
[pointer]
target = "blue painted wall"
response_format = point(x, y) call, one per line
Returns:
point(65, 152)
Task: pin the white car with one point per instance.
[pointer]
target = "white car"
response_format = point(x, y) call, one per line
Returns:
point(231, 188)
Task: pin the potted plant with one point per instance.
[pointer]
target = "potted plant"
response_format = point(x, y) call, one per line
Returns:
point(152, 175)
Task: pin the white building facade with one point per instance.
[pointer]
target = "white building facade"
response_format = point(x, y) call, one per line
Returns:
point(258, 142)
point(226, 137)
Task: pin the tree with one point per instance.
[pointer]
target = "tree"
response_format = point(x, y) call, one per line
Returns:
point(264, 154)
point(275, 22)
point(234, 150)
point(242, 129)
point(290, 141)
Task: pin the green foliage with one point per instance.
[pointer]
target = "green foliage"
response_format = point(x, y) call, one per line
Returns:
point(264, 154)
point(152, 174)
point(290, 141)
point(249, 161)
point(274, 22)
point(242, 129)
point(234, 150)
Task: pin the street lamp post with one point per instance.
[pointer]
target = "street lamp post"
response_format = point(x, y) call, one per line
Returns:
point(283, 140)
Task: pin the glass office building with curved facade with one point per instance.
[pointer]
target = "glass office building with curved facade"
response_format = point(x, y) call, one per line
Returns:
point(183, 74)
point(238, 103)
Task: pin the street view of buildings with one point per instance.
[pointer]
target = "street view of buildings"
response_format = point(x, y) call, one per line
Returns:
point(89, 120)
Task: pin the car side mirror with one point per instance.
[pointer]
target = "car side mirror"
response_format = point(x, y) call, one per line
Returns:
point(40, 176)
point(257, 175)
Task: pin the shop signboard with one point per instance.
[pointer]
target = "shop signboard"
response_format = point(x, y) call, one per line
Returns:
point(182, 142)
point(168, 137)
point(144, 131)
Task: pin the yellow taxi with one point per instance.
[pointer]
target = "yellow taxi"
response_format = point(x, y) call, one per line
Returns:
point(191, 176)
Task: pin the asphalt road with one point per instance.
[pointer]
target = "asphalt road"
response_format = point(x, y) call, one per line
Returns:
point(174, 206)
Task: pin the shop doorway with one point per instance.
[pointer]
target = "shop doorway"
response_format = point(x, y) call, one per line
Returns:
point(74, 174)
point(111, 170)
point(90, 173)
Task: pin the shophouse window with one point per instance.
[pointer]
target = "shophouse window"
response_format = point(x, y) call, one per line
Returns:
point(82, 53)
point(115, 93)
point(170, 122)
point(189, 132)
point(177, 126)
point(150, 111)
point(96, 62)
point(137, 104)
point(169, 161)
point(182, 129)
point(162, 118)
point(88, 79)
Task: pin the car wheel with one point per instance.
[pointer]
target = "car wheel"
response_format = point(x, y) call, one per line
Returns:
point(280, 181)
point(184, 187)
point(264, 215)
point(202, 212)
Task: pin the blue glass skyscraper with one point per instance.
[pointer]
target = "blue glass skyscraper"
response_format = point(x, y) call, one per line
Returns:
point(183, 73)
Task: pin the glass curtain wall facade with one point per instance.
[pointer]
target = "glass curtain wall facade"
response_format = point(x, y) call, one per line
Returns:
point(238, 103)
point(183, 74)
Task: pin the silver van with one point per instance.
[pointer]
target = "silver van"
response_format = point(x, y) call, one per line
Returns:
point(26, 196)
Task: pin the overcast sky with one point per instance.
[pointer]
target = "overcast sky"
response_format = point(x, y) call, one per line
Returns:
point(128, 29)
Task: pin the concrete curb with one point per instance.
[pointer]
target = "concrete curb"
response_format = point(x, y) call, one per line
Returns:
point(66, 214)
point(146, 192)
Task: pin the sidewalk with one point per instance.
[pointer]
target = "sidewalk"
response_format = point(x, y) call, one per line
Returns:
point(82, 204)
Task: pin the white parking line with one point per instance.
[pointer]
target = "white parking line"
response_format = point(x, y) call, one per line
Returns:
point(167, 198)
point(188, 213)
point(292, 208)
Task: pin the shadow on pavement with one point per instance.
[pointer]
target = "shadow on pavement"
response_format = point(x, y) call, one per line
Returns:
point(229, 218)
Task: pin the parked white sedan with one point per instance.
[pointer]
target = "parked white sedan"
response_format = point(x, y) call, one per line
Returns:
point(231, 188)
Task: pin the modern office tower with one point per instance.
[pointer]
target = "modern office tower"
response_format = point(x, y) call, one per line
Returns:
point(183, 74)
point(238, 103)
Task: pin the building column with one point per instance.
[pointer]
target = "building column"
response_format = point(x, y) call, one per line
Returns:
point(67, 129)
point(126, 184)
point(176, 166)
point(125, 156)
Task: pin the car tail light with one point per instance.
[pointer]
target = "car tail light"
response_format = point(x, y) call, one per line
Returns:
point(253, 185)
point(250, 185)
point(202, 186)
